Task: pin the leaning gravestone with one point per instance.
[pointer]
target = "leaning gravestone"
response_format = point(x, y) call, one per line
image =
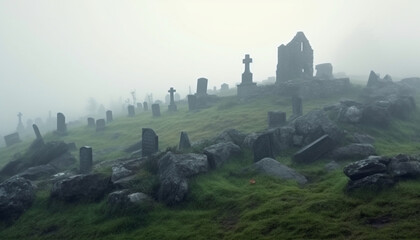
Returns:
point(149, 142)
point(39, 139)
point(145, 106)
point(131, 111)
point(85, 159)
point(262, 147)
point(184, 141)
point(156, 110)
point(276, 119)
point(61, 124)
point(100, 125)
point(11, 139)
point(297, 106)
point(202, 87)
point(192, 102)
point(91, 122)
point(109, 116)
point(314, 150)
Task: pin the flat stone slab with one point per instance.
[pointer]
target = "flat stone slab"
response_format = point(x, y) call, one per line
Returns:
point(314, 150)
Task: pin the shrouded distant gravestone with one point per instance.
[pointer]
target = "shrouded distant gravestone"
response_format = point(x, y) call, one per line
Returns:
point(247, 87)
point(262, 147)
point(297, 106)
point(131, 111)
point(86, 159)
point(12, 139)
point(20, 128)
point(91, 122)
point(156, 110)
point(276, 119)
point(224, 87)
point(172, 105)
point(202, 87)
point(145, 106)
point(109, 116)
point(139, 107)
point(192, 102)
point(149, 142)
point(61, 124)
point(184, 141)
point(100, 125)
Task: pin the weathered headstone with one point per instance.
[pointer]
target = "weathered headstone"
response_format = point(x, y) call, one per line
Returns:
point(156, 110)
point(86, 159)
point(131, 111)
point(297, 106)
point(11, 139)
point(184, 141)
point(61, 124)
point(100, 124)
point(314, 150)
point(262, 147)
point(276, 119)
point(39, 140)
point(202, 87)
point(146, 106)
point(109, 116)
point(172, 105)
point(149, 142)
point(91, 122)
point(192, 102)
point(247, 87)
point(139, 107)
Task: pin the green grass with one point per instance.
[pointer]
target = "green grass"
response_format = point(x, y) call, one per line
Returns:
point(222, 204)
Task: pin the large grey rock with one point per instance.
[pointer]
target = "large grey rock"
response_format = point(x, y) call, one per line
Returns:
point(231, 135)
point(174, 169)
point(250, 139)
point(353, 151)
point(404, 166)
point(281, 139)
point(124, 198)
point(16, 195)
point(263, 147)
point(219, 153)
point(364, 168)
point(376, 181)
point(63, 161)
point(35, 173)
point(273, 168)
point(119, 172)
point(377, 114)
point(314, 150)
point(88, 187)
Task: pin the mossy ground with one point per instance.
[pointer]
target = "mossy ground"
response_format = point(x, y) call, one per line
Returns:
point(222, 204)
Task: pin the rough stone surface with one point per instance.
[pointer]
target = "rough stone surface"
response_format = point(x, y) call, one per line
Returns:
point(63, 162)
point(16, 195)
point(184, 141)
point(363, 138)
point(119, 171)
point(230, 135)
point(364, 168)
point(281, 138)
point(35, 173)
point(219, 153)
point(404, 166)
point(273, 168)
point(250, 139)
point(314, 150)
point(377, 114)
point(376, 181)
point(149, 142)
point(263, 147)
point(276, 119)
point(87, 187)
point(332, 166)
point(353, 151)
point(124, 198)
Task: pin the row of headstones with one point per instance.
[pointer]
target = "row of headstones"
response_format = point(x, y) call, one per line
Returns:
point(155, 109)
point(278, 118)
point(100, 123)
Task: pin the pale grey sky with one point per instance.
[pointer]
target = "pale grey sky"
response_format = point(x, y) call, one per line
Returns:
point(54, 55)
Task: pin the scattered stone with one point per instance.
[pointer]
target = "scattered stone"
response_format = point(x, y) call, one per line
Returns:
point(250, 139)
point(376, 114)
point(150, 142)
point(86, 159)
point(156, 110)
point(364, 168)
point(16, 195)
point(276, 119)
point(219, 153)
point(184, 141)
point(273, 168)
point(404, 166)
point(353, 151)
point(230, 135)
point(314, 150)
point(63, 162)
point(376, 181)
point(38, 172)
point(119, 172)
point(123, 198)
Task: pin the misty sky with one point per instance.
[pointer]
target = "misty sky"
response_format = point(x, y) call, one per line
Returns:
point(54, 55)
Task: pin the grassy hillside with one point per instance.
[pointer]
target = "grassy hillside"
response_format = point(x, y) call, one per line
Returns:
point(222, 204)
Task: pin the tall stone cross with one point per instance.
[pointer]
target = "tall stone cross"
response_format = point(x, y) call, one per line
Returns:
point(247, 60)
point(20, 117)
point(171, 91)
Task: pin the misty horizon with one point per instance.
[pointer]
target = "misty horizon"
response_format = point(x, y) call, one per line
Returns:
point(55, 56)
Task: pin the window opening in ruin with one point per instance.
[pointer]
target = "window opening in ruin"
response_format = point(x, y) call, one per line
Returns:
point(301, 46)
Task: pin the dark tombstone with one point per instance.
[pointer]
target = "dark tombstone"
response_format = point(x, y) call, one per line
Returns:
point(91, 122)
point(11, 139)
point(202, 87)
point(314, 150)
point(100, 125)
point(39, 141)
point(61, 124)
point(149, 142)
point(276, 119)
point(297, 106)
point(172, 105)
point(262, 147)
point(324, 71)
point(247, 87)
point(109, 116)
point(156, 110)
point(131, 111)
point(184, 141)
point(85, 159)
point(139, 107)
point(145, 106)
point(192, 102)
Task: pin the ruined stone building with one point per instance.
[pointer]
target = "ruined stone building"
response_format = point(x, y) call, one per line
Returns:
point(295, 60)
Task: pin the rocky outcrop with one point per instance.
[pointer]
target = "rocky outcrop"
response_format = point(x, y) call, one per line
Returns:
point(230, 135)
point(273, 168)
point(353, 151)
point(38, 172)
point(16, 195)
point(219, 153)
point(125, 198)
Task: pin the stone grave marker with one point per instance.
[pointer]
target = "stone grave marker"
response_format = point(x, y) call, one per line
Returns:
point(276, 119)
point(139, 107)
point(172, 105)
point(314, 150)
point(262, 147)
point(156, 110)
point(131, 111)
point(109, 117)
point(192, 102)
point(100, 125)
point(247, 86)
point(39, 139)
point(184, 141)
point(145, 106)
point(86, 159)
point(202, 87)
point(91, 122)
point(297, 106)
point(11, 139)
point(149, 142)
point(61, 124)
